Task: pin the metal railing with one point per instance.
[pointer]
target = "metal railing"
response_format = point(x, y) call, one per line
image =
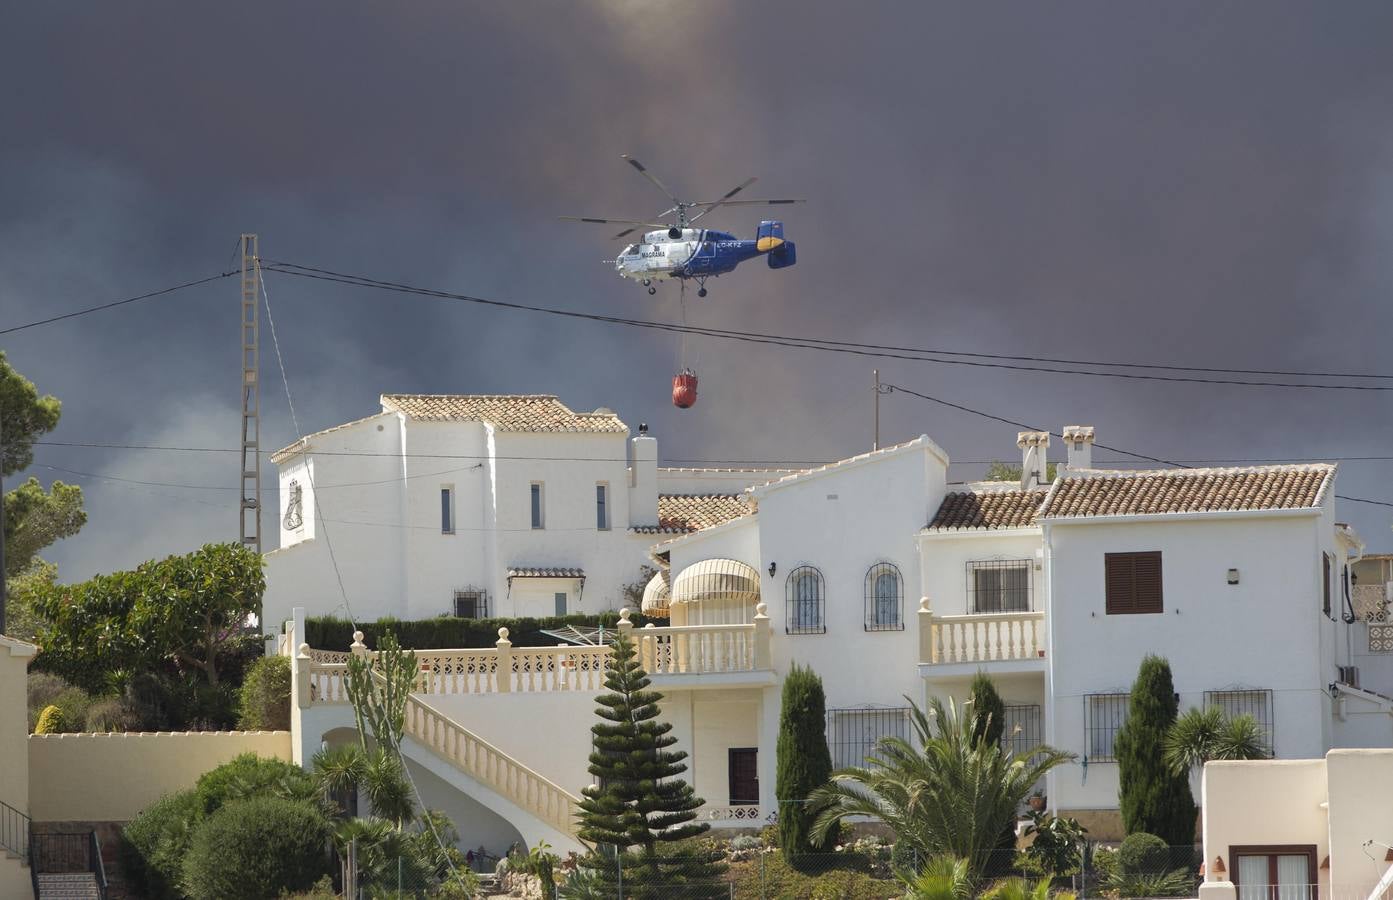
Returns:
point(60, 853)
point(14, 831)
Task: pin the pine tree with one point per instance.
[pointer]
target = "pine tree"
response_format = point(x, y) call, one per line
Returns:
point(803, 761)
point(988, 711)
point(1154, 798)
point(639, 805)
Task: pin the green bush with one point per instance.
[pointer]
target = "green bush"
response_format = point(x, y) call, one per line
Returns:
point(43, 688)
point(154, 844)
point(50, 721)
point(111, 714)
point(803, 763)
point(257, 848)
point(448, 632)
point(265, 696)
point(1142, 854)
point(74, 702)
point(244, 777)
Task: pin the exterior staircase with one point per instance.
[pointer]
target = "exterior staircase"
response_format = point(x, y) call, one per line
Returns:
point(68, 886)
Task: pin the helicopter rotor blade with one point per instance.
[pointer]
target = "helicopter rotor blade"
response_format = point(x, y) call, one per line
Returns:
point(653, 178)
point(724, 199)
point(596, 221)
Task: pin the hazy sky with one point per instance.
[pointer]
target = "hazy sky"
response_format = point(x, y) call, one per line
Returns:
point(1187, 183)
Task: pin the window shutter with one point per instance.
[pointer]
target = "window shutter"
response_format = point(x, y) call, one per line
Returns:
point(1132, 582)
point(1148, 580)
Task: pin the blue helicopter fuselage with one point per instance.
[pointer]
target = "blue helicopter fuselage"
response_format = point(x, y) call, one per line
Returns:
point(700, 253)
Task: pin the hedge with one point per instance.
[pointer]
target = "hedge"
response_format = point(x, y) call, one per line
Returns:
point(264, 698)
point(154, 844)
point(251, 849)
point(448, 632)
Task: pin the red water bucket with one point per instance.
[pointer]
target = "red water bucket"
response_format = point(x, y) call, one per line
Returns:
point(684, 389)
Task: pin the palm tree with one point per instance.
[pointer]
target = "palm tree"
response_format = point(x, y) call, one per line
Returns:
point(942, 878)
point(954, 796)
point(1202, 735)
point(1020, 889)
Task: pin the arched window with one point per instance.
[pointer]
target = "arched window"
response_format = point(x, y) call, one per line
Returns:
point(805, 595)
point(884, 598)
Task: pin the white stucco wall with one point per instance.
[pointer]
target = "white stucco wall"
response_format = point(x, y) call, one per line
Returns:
point(1271, 802)
point(1261, 633)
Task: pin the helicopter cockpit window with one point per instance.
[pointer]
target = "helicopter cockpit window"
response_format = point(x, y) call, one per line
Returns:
point(630, 250)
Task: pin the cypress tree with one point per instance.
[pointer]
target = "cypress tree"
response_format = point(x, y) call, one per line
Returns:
point(1154, 798)
point(988, 711)
point(639, 804)
point(803, 760)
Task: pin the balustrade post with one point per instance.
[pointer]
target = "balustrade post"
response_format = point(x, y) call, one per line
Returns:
point(358, 648)
point(763, 659)
point(626, 628)
point(505, 662)
point(647, 648)
point(302, 677)
point(926, 618)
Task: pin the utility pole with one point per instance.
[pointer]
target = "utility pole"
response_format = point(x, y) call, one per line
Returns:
point(879, 389)
point(251, 395)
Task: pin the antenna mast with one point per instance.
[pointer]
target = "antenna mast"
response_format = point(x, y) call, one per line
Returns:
point(251, 396)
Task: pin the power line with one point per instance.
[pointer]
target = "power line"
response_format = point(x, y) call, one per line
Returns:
point(849, 347)
point(91, 309)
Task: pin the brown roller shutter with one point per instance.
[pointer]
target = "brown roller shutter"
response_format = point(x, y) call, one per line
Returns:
point(1132, 582)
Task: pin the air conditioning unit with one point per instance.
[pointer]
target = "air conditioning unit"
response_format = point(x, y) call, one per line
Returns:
point(1349, 675)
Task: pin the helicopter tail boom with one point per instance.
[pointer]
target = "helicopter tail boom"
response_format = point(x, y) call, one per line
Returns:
point(770, 239)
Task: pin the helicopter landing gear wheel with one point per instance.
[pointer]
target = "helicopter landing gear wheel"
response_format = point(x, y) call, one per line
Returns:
point(647, 282)
point(701, 292)
point(652, 290)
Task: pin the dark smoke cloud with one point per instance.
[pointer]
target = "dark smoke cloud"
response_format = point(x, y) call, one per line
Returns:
point(1183, 182)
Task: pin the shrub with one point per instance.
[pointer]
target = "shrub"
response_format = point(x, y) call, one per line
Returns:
point(1143, 853)
point(43, 689)
point(257, 848)
point(111, 714)
point(327, 633)
point(803, 762)
point(150, 699)
point(74, 702)
point(1177, 883)
point(50, 721)
point(1153, 797)
point(264, 699)
point(154, 844)
point(244, 777)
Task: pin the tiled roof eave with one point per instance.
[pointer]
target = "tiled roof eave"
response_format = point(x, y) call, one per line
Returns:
point(1247, 512)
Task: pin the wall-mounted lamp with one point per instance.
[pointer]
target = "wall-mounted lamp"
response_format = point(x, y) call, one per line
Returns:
point(1219, 868)
point(773, 567)
point(1233, 576)
point(1334, 690)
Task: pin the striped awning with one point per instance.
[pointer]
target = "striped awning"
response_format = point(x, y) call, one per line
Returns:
point(714, 580)
point(657, 594)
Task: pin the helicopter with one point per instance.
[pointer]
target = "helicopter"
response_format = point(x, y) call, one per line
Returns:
point(678, 250)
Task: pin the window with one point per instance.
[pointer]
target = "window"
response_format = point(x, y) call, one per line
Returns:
point(295, 517)
point(852, 734)
point(1325, 584)
point(1103, 716)
point(538, 506)
point(744, 776)
point(1132, 582)
point(1283, 872)
point(1022, 729)
point(1254, 702)
point(999, 585)
point(447, 510)
point(884, 598)
point(602, 507)
point(804, 595)
point(471, 604)
point(560, 598)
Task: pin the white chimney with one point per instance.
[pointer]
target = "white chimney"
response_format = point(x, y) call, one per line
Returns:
point(1078, 440)
point(1035, 447)
point(643, 480)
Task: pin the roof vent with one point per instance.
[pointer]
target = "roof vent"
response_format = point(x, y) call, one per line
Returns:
point(603, 411)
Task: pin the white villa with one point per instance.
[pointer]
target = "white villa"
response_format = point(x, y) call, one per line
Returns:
point(874, 571)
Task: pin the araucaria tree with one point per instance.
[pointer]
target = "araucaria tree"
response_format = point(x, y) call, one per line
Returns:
point(804, 763)
point(639, 806)
point(1155, 798)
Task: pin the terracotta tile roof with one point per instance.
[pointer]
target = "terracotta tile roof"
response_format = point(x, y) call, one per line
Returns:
point(987, 510)
point(506, 412)
point(685, 513)
point(1102, 493)
point(530, 572)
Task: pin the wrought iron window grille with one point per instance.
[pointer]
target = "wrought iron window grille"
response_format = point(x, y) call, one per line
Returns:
point(1000, 585)
point(884, 598)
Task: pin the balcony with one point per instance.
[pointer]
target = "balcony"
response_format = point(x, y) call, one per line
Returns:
point(695, 656)
point(1004, 642)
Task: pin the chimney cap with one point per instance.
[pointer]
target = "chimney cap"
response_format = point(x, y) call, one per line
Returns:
point(642, 427)
point(1078, 434)
point(1032, 439)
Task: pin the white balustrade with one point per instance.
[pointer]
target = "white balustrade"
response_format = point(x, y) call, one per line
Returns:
point(328, 682)
point(985, 637)
point(485, 763)
point(696, 649)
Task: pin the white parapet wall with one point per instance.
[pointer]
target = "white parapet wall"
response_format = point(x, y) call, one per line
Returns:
point(112, 777)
